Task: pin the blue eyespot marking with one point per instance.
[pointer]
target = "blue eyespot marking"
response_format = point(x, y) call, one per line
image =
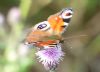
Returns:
point(41, 26)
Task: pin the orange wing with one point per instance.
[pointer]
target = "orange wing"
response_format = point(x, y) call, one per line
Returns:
point(56, 24)
point(37, 36)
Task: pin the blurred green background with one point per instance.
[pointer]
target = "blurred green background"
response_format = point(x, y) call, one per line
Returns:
point(82, 38)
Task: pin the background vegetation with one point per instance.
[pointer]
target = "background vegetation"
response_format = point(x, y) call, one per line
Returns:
point(82, 43)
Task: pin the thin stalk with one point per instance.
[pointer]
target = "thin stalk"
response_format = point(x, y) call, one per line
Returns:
point(70, 37)
point(25, 7)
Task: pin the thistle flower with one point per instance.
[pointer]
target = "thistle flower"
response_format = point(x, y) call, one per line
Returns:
point(2, 19)
point(50, 57)
point(14, 15)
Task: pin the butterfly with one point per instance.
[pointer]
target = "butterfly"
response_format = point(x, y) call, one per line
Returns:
point(49, 32)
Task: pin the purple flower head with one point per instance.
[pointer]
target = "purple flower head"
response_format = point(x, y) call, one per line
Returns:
point(14, 15)
point(50, 57)
point(2, 19)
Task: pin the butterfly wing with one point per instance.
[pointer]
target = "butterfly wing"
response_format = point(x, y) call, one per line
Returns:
point(47, 30)
point(60, 21)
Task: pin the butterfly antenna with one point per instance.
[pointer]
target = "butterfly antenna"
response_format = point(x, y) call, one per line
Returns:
point(75, 37)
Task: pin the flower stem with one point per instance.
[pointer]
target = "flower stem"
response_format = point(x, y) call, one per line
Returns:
point(25, 6)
